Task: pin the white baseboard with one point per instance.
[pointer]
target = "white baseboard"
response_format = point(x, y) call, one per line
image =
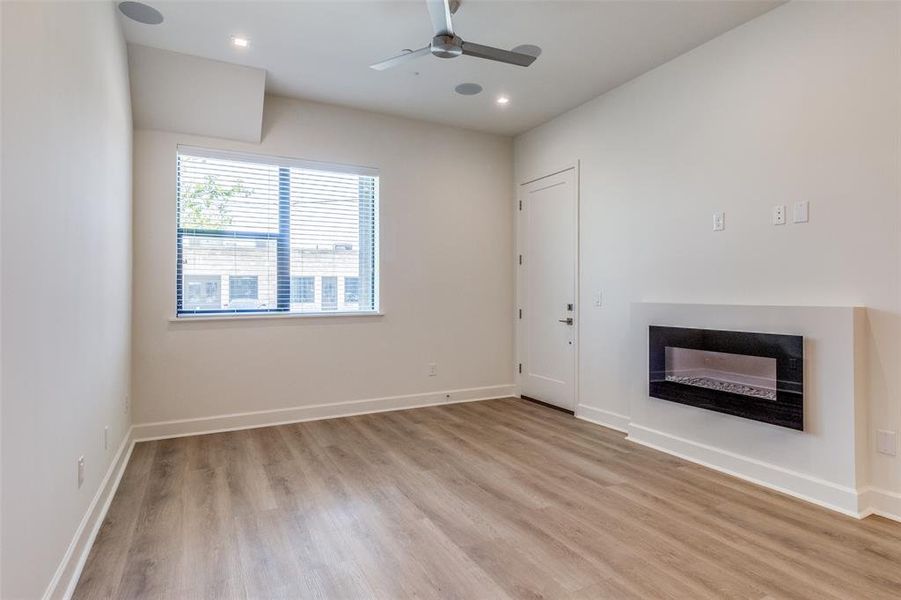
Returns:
point(603, 417)
point(824, 493)
point(296, 414)
point(66, 576)
point(882, 502)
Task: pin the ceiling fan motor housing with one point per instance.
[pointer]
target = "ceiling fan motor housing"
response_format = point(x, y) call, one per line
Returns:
point(447, 46)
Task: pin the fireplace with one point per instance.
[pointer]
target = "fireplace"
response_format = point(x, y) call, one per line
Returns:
point(757, 376)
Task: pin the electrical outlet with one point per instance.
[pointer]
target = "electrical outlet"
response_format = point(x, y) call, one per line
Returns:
point(127, 404)
point(719, 221)
point(80, 471)
point(598, 299)
point(886, 442)
point(106, 438)
point(779, 214)
point(433, 369)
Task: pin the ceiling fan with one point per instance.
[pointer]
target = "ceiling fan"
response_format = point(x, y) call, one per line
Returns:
point(447, 44)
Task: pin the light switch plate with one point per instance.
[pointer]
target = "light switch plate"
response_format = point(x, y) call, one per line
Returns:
point(719, 221)
point(779, 214)
point(802, 212)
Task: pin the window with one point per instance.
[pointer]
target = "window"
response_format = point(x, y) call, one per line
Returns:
point(329, 293)
point(243, 287)
point(303, 290)
point(203, 292)
point(270, 229)
point(351, 290)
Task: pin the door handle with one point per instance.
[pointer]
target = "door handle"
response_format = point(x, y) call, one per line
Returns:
point(568, 320)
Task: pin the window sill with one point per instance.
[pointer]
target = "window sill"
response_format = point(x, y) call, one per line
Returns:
point(269, 316)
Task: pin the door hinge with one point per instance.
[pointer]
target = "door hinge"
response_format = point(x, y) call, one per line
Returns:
point(520, 313)
point(520, 367)
point(520, 205)
point(520, 259)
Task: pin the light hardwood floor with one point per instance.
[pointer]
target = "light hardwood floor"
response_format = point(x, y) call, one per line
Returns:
point(492, 499)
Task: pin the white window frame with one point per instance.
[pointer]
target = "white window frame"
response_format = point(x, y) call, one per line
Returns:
point(282, 161)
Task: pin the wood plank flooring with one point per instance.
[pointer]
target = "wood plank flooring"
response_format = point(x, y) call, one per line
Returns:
point(495, 499)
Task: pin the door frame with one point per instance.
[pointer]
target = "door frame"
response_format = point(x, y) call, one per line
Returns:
point(520, 278)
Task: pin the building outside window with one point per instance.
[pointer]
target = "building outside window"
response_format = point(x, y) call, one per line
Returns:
point(351, 290)
point(329, 293)
point(243, 287)
point(203, 292)
point(303, 290)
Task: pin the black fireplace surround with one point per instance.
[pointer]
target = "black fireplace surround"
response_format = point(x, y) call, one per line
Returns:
point(703, 368)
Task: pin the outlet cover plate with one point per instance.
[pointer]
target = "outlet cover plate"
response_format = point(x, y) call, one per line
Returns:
point(779, 214)
point(886, 442)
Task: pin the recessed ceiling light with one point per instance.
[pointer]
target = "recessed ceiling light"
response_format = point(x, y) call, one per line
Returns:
point(239, 42)
point(503, 100)
point(140, 12)
point(468, 89)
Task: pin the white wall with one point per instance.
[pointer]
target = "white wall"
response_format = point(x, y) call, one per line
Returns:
point(801, 103)
point(66, 273)
point(225, 100)
point(446, 283)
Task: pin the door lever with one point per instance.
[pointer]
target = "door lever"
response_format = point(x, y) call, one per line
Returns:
point(568, 320)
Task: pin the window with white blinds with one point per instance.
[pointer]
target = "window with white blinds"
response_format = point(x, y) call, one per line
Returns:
point(258, 234)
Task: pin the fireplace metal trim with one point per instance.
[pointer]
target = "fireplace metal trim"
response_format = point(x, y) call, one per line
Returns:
point(788, 350)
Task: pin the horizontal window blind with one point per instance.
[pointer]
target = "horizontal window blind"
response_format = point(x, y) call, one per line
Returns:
point(260, 234)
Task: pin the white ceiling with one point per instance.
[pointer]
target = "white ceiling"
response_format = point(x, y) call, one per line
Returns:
point(320, 50)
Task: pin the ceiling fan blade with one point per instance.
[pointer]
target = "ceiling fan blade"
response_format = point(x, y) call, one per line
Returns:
point(440, 11)
point(400, 59)
point(504, 56)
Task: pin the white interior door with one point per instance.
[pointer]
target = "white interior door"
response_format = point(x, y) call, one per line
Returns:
point(549, 246)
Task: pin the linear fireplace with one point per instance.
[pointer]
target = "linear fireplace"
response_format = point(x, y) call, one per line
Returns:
point(757, 376)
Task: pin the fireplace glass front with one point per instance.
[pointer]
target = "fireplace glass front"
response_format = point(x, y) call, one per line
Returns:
point(757, 376)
